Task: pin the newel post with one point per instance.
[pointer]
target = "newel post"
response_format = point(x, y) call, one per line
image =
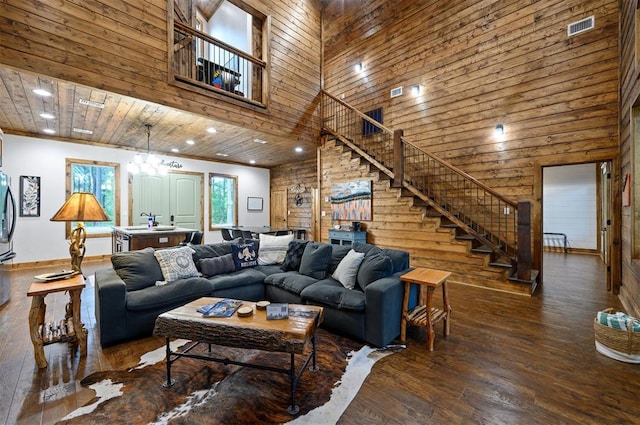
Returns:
point(398, 159)
point(524, 241)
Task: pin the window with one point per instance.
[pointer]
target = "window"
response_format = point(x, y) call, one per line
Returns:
point(223, 210)
point(103, 180)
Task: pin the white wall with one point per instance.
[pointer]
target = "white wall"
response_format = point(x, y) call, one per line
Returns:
point(38, 239)
point(569, 203)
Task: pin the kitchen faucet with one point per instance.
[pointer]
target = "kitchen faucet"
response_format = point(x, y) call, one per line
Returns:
point(153, 217)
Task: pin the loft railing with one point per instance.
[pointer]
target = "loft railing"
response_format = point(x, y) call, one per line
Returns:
point(497, 222)
point(202, 60)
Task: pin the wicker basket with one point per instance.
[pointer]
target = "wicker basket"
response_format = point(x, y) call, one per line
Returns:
point(627, 342)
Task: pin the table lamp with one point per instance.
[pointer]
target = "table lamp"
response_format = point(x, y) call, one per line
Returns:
point(80, 207)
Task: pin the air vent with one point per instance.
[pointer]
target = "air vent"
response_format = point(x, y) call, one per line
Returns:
point(581, 26)
point(82, 130)
point(91, 103)
point(396, 92)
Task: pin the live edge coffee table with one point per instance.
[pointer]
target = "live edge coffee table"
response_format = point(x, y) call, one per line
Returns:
point(294, 335)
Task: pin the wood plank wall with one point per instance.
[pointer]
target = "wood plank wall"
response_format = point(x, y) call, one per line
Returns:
point(629, 96)
point(122, 47)
point(287, 176)
point(479, 64)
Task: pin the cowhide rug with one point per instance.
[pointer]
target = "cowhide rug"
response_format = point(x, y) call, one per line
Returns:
point(212, 393)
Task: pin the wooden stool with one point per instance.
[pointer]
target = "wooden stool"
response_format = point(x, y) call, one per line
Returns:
point(423, 314)
point(70, 329)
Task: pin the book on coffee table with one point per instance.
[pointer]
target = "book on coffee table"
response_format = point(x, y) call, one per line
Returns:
point(223, 308)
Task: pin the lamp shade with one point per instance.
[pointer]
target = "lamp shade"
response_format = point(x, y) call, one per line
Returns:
point(81, 206)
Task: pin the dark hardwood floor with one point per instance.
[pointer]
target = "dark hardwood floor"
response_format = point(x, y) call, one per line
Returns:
point(509, 360)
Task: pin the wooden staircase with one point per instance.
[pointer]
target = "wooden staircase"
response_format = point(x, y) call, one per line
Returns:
point(459, 242)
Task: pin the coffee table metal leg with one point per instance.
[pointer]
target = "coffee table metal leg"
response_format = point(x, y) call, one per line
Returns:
point(314, 366)
point(293, 409)
point(170, 381)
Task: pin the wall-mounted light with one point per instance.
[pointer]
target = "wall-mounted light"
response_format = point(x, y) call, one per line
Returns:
point(499, 132)
point(358, 67)
point(415, 89)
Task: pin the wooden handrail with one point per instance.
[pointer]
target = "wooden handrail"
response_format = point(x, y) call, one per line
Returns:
point(199, 34)
point(433, 157)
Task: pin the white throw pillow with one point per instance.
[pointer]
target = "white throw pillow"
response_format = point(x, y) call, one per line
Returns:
point(273, 249)
point(176, 263)
point(347, 269)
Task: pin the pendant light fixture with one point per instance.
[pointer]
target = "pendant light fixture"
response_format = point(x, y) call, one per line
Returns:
point(150, 164)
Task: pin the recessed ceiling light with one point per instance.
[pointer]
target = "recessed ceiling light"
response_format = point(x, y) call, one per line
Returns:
point(175, 150)
point(190, 142)
point(253, 161)
point(47, 116)
point(42, 92)
point(222, 154)
point(82, 130)
point(263, 142)
point(48, 131)
point(211, 130)
point(298, 149)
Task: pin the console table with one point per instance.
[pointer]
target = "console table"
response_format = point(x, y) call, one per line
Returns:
point(346, 237)
point(70, 329)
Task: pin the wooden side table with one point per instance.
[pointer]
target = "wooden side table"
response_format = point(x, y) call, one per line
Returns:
point(70, 329)
point(423, 314)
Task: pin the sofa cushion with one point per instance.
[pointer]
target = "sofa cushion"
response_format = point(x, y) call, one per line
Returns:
point(178, 292)
point(210, 250)
point(273, 249)
point(293, 282)
point(217, 265)
point(244, 255)
point(315, 259)
point(243, 277)
point(292, 259)
point(331, 293)
point(347, 270)
point(368, 249)
point(338, 252)
point(138, 269)
point(400, 259)
point(374, 267)
point(176, 263)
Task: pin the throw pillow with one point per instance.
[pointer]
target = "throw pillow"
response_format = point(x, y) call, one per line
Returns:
point(374, 267)
point(217, 265)
point(138, 269)
point(273, 249)
point(245, 255)
point(294, 255)
point(347, 269)
point(315, 260)
point(176, 263)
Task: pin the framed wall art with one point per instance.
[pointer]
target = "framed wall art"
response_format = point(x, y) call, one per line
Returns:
point(254, 204)
point(29, 196)
point(351, 201)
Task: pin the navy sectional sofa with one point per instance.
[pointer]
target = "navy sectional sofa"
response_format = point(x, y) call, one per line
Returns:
point(128, 301)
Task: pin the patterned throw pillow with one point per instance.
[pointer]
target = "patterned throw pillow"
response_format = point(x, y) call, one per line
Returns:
point(217, 265)
point(245, 255)
point(273, 249)
point(176, 263)
point(294, 255)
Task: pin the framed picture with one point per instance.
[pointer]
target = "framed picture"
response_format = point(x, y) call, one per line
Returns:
point(29, 196)
point(351, 201)
point(254, 204)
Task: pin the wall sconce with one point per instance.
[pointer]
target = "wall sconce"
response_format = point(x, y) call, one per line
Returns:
point(358, 67)
point(499, 132)
point(415, 89)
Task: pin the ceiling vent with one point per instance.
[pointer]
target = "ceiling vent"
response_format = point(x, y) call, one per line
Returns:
point(91, 103)
point(581, 26)
point(396, 92)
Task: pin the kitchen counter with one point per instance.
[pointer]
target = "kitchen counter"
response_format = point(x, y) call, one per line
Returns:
point(131, 238)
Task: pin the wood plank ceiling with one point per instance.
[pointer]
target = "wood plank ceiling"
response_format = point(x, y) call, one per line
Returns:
point(121, 123)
